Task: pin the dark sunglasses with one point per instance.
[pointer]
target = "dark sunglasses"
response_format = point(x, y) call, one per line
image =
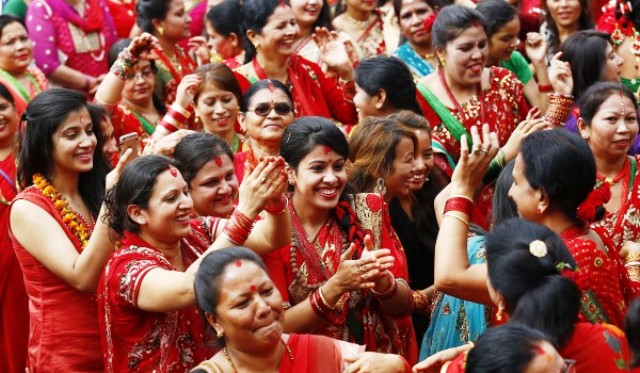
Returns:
point(281, 108)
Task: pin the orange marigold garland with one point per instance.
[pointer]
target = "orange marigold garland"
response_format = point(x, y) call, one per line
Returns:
point(69, 217)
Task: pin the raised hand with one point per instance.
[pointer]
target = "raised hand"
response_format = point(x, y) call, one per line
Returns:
point(262, 185)
point(560, 75)
point(144, 46)
point(534, 123)
point(186, 90)
point(333, 51)
point(536, 48)
point(198, 44)
point(473, 163)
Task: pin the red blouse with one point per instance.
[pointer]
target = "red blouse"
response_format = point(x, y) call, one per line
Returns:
point(139, 341)
point(64, 333)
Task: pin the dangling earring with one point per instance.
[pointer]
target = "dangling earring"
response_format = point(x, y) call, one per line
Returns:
point(499, 313)
point(160, 30)
point(220, 334)
point(380, 187)
point(292, 180)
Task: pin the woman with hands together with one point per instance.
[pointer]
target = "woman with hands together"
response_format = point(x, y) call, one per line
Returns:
point(334, 277)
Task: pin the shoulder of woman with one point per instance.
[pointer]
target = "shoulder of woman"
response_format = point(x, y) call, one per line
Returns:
point(207, 366)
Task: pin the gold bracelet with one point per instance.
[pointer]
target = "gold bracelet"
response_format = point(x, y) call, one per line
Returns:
point(324, 300)
point(632, 257)
point(449, 214)
point(461, 196)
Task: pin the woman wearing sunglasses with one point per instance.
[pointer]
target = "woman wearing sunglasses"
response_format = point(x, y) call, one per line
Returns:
point(266, 110)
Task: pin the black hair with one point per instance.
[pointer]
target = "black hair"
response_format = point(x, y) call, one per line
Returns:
point(632, 331)
point(305, 133)
point(195, 150)
point(451, 21)
point(148, 10)
point(255, 14)
point(211, 270)
point(535, 292)
point(397, 6)
point(597, 94)
point(115, 50)
point(497, 13)
point(324, 18)
point(6, 94)
point(504, 349)
point(391, 75)
point(503, 207)
point(134, 187)
point(44, 115)
point(584, 23)
point(6, 19)
point(546, 155)
point(586, 52)
point(259, 86)
point(97, 112)
point(225, 18)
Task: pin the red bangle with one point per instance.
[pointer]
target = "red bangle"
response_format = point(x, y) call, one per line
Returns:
point(279, 208)
point(238, 228)
point(390, 292)
point(545, 88)
point(460, 204)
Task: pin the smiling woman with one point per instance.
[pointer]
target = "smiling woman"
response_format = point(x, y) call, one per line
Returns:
point(62, 171)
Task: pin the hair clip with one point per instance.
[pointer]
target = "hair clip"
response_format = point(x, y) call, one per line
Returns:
point(538, 249)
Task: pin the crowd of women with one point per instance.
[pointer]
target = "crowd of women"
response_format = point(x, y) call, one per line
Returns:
point(311, 186)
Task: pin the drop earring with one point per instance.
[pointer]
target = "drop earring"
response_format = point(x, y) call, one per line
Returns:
point(380, 187)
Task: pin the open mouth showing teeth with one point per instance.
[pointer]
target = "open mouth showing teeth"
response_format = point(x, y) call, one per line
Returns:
point(183, 219)
point(328, 192)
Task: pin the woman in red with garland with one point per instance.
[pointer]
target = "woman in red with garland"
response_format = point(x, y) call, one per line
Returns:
point(609, 123)
point(271, 30)
point(148, 317)
point(62, 169)
point(169, 22)
point(14, 309)
point(332, 280)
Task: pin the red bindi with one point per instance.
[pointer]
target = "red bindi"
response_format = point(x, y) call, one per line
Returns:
point(173, 171)
point(326, 149)
point(218, 161)
point(253, 288)
point(540, 350)
point(272, 88)
point(238, 263)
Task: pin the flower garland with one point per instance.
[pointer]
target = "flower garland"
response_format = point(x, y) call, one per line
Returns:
point(69, 217)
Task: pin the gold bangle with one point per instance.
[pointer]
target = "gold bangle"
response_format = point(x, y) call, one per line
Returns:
point(461, 196)
point(449, 214)
point(632, 257)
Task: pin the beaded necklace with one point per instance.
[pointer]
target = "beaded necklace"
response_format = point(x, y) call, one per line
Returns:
point(456, 103)
point(74, 221)
point(233, 366)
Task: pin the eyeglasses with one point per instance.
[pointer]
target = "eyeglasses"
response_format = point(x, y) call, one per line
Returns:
point(281, 108)
point(143, 73)
point(569, 366)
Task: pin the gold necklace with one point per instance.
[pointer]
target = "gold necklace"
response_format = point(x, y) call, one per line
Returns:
point(233, 366)
point(361, 24)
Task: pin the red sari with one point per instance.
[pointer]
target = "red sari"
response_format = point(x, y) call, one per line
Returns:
point(14, 303)
point(126, 121)
point(169, 75)
point(64, 334)
point(606, 295)
point(300, 268)
point(139, 341)
point(502, 105)
point(313, 93)
point(598, 348)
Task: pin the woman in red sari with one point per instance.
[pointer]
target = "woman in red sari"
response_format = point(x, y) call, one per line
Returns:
point(148, 318)
point(223, 25)
point(608, 122)
point(62, 171)
point(365, 25)
point(271, 29)
point(23, 79)
point(244, 307)
point(169, 22)
point(14, 309)
point(332, 280)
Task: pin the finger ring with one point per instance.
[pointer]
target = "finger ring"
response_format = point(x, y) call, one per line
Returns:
point(476, 150)
point(485, 151)
point(262, 180)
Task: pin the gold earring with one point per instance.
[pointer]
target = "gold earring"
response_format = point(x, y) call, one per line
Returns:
point(257, 45)
point(220, 334)
point(160, 30)
point(499, 313)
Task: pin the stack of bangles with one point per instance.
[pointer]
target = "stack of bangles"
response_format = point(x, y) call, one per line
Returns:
point(319, 304)
point(280, 208)
point(238, 228)
point(632, 264)
point(495, 167)
point(123, 68)
point(175, 118)
point(390, 291)
point(459, 205)
point(558, 108)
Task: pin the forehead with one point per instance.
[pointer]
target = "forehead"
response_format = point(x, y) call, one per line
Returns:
point(281, 13)
point(265, 95)
point(318, 151)
point(12, 29)
point(236, 278)
point(615, 101)
point(212, 168)
point(77, 117)
point(210, 88)
point(411, 5)
point(166, 182)
point(469, 35)
point(176, 5)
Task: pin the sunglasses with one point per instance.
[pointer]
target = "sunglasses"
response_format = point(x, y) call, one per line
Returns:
point(569, 366)
point(281, 108)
